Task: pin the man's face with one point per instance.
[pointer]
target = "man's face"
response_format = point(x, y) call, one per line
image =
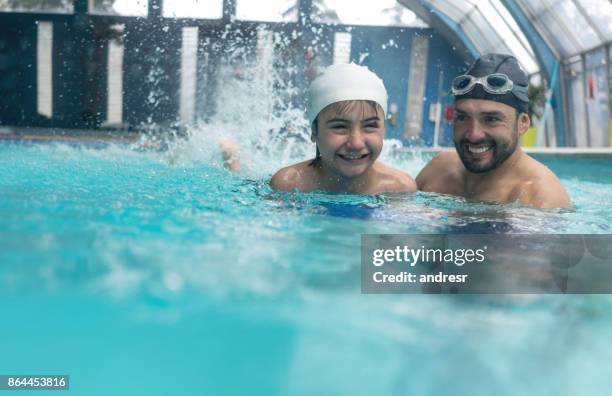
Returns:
point(350, 137)
point(486, 133)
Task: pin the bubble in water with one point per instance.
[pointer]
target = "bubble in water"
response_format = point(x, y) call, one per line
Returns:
point(173, 281)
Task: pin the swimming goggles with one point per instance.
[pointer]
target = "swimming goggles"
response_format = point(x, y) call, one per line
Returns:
point(496, 83)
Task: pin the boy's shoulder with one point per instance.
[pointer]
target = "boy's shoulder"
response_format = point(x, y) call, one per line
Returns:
point(394, 180)
point(297, 176)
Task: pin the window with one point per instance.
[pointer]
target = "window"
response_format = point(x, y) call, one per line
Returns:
point(272, 11)
point(120, 7)
point(342, 47)
point(376, 13)
point(204, 9)
point(115, 79)
point(44, 69)
point(189, 59)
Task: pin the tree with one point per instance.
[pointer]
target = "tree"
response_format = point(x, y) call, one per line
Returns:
point(32, 5)
point(537, 100)
point(54, 5)
point(320, 12)
point(399, 15)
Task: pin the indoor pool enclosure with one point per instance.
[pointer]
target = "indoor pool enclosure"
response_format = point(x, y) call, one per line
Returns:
point(134, 262)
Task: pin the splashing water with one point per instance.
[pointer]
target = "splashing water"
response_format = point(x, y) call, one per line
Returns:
point(255, 105)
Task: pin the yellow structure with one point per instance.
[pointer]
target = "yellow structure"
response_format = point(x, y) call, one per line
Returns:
point(610, 132)
point(530, 137)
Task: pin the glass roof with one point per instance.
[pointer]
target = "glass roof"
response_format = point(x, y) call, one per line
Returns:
point(569, 27)
point(489, 25)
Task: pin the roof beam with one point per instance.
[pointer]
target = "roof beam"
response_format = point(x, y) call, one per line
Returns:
point(447, 28)
point(546, 59)
point(518, 38)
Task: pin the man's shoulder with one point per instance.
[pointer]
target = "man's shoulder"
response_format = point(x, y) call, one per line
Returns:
point(533, 171)
point(292, 177)
point(446, 156)
point(442, 169)
point(445, 160)
point(394, 180)
point(540, 187)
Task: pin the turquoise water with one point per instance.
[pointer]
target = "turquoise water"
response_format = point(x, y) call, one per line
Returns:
point(140, 274)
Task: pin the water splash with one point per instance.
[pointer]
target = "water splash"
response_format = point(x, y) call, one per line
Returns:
point(259, 104)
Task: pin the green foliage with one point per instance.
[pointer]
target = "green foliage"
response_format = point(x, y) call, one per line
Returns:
point(323, 13)
point(44, 5)
point(32, 5)
point(537, 99)
point(320, 12)
point(104, 5)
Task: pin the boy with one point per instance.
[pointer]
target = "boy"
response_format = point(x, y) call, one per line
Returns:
point(346, 110)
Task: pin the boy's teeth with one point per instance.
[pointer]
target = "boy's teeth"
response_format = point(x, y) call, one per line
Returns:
point(478, 150)
point(353, 156)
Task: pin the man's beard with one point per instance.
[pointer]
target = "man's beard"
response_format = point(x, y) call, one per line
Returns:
point(501, 150)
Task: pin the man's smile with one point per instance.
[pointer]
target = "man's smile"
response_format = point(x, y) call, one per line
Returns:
point(477, 149)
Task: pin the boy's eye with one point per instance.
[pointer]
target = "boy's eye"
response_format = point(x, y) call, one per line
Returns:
point(491, 119)
point(460, 117)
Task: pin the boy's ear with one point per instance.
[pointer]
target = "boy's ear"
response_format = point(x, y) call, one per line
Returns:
point(314, 131)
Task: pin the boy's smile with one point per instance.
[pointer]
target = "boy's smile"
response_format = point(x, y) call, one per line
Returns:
point(349, 138)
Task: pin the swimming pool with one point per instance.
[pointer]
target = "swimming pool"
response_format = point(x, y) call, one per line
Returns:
point(161, 273)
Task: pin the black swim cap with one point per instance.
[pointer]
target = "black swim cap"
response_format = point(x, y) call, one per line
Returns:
point(498, 63)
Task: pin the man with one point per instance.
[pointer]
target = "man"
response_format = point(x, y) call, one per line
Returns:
point(490, 115)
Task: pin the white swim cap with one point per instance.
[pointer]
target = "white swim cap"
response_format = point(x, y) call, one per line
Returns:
point(345, 81)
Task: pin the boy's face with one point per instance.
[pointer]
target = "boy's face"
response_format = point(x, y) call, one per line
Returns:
point(350, 137)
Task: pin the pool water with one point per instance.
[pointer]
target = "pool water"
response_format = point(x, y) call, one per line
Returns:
point(139, 273)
